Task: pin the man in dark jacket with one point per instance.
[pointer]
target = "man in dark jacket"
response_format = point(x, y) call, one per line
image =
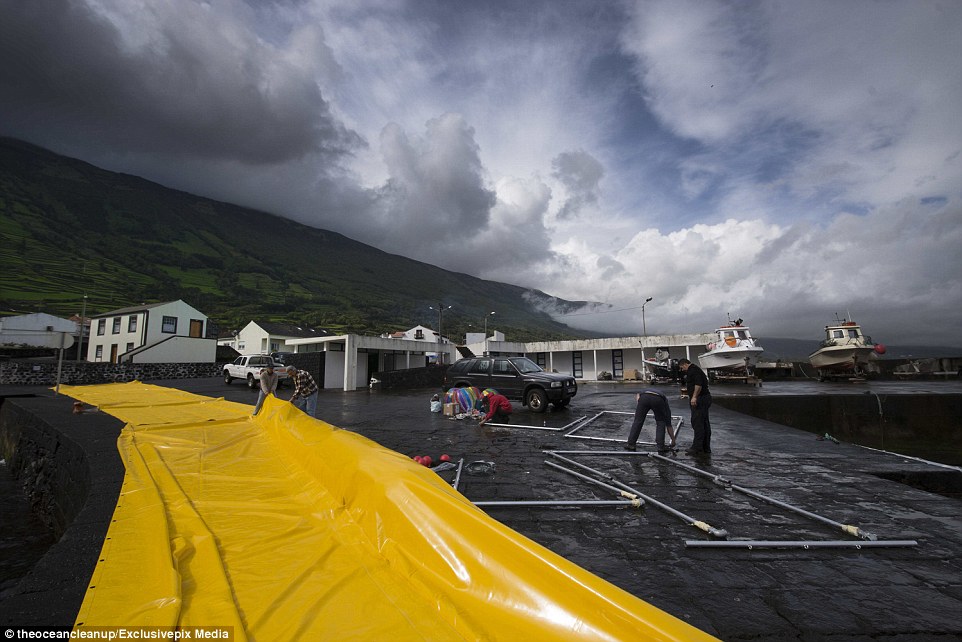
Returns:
point(658, 403)
point(699, 396)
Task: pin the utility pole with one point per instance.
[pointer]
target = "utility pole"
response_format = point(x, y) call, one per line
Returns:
point(83, 313)
point(644, 326)
point(440, 309)
point(486, 332)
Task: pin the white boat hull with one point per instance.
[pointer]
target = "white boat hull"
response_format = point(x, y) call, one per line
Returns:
point(840, 357)
point(729, 358)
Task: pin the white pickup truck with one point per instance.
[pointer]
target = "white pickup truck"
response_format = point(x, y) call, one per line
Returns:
point(248, 367)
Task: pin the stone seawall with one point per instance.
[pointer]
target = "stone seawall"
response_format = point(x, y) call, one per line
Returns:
point(71, 471)
point(33, 373)
point(921, 425)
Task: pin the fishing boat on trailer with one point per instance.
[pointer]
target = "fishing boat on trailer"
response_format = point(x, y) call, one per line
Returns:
point(733, 352)
point(845, 350)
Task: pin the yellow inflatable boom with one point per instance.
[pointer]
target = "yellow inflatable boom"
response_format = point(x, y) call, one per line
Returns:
point(285, 528)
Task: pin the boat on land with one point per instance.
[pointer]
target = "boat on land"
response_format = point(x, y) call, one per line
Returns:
point(845, 349)
point(734, 351)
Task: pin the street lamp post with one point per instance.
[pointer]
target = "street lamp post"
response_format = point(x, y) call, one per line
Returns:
point(486, 332)
point(644, 326)
point(83, 313)
point(440, 309)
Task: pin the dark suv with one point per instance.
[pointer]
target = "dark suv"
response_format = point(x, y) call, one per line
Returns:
point(516, 378)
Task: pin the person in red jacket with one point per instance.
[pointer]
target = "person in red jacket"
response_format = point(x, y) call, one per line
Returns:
point(498, 407)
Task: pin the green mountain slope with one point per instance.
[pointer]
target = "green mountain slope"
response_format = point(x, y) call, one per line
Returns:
point(68, 228)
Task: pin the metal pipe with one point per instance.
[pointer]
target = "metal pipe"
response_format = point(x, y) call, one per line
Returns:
point(750, 544)
point(563, 502)
point(919, 459)
point(528, 426)
point(691, 521)
point(597, 452)
point(617, 491)
point(457, 475)
point(620, 440)
point(585, 424)
point(851, 530)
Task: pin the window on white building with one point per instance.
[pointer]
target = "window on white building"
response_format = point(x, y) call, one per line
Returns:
point(99, 354)
point(116, 326)
point(101, 327)
point(130, 346)
point(132, 324)
point(169, 325)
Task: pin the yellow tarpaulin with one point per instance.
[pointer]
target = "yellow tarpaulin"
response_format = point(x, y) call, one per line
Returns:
point(286, 528)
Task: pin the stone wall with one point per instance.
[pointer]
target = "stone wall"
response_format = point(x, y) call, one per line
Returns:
point(69, 468)
point(428, 377)
point(923, 425)
point(44, 373)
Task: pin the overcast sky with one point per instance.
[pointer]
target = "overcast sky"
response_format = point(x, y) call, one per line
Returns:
point(778, 160)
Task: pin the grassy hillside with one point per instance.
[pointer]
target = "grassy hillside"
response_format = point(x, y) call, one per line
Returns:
point(68, 228)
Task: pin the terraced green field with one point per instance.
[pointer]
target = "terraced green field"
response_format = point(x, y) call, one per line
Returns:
point(69, 229)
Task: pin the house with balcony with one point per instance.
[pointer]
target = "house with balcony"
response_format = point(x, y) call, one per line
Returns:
point(169, 332)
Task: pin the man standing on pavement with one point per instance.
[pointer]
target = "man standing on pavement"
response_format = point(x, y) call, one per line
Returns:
point(699, 395)
point(658, 403)
point(268, 387)
point(305, 390)
point(498, 407)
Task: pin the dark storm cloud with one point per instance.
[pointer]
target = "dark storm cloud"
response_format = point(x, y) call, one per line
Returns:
point(176, 80)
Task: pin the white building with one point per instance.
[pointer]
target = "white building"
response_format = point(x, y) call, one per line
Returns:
point(39, 329)
point(171, 332)
point(350, 359)
point(423, 334)
point(265, 337)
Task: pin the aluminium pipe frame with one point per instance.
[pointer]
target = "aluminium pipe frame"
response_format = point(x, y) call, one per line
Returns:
point(851, 530)
point(530, 427)
point(623, 488)
point(672, 431)
point(564, 503)
point(752, 544)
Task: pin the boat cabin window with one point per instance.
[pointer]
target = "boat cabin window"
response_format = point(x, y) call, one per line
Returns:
point(741, 334)
point(853, 334)
point(727, 333)
point(838, 334)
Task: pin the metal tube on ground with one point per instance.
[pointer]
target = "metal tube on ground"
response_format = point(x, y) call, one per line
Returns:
point(691, 521)
point(457, 475)
point(919, 459)
point(524, 426)
point(584, 424)
point(894, 543)
point(619, 440)
point(597, 482)
point(563, 502)
point(851, 530)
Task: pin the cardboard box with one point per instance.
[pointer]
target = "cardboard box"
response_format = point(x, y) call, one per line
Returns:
point(450, 409)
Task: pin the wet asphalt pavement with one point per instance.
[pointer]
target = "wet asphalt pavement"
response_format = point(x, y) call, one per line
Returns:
point(899, 593)
point(910, 593)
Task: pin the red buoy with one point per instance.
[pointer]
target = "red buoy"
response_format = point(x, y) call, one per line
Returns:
point(426, 461)
point(880, 348)
point(445, 457)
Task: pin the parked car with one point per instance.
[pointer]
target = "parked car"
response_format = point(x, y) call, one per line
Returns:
point(282, 357)
point(517, 378)
point(248, 368)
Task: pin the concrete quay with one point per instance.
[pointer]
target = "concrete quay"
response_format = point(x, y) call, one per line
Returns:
point(793, 593)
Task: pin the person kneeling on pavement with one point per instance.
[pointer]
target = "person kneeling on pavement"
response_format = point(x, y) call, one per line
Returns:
point(657, 402)
point(499, 407)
